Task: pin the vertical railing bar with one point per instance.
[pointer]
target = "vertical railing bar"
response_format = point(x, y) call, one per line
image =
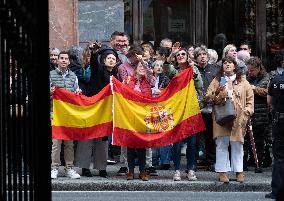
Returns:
point(14, 139)
point(9, 128)
point(3, 141)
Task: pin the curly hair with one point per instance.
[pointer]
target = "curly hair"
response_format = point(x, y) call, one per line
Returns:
point(256, 62)
point(198, 50)
point(149, 47)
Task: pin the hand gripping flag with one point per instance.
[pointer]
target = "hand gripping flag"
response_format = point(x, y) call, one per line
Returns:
point(78, 117)
point(140, 121)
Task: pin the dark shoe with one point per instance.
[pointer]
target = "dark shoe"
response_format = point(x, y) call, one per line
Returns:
point(122, 171)
point(151, 171)
point(164, 167)
point(270, 196)
point(267, 162)
point(203, 163)
point(250, 162)
point(258, 170)
point(143, 176)
point(86, 172)
point(103, 173)
point(130, 175)
point(211, 168)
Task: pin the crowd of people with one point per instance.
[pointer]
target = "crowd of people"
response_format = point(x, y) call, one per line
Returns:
point(237, 75)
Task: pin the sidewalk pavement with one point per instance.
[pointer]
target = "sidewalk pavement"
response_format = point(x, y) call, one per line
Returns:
point(207, 181)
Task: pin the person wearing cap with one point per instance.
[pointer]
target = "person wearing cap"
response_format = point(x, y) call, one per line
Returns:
point(103, 65)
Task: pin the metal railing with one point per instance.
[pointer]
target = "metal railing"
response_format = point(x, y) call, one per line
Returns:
point(25, 135)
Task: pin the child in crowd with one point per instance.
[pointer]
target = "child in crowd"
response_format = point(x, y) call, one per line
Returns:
point(141, 81)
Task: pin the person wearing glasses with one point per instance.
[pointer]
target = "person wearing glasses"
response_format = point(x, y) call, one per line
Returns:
point(183, 61)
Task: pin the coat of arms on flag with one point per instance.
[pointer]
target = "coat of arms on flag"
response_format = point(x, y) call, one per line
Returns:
point(159, 119)
point(133, 120)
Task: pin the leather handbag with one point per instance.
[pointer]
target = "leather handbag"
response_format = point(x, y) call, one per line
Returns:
point(225, 113)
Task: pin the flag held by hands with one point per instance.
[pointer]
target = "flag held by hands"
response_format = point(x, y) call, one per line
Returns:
point(140, 121)
point(78, 117)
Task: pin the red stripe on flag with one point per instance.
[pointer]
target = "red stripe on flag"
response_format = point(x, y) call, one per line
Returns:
point(68, 133)
point(179, 82)
point(188, 127)
point(81, 100)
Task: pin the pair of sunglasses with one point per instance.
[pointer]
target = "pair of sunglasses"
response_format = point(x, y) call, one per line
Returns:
point(181, 54)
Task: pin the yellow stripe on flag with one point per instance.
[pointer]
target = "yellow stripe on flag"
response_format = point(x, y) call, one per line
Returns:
point(145, 117)
point(70, 115)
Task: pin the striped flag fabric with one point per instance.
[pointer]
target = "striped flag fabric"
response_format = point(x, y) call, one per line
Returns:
point(78, 117)
point(141, 122)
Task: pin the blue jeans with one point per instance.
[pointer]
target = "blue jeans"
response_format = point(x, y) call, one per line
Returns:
point(190, 153)
point(165, 154)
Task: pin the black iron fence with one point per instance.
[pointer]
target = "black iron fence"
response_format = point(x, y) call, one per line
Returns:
point(25, 135)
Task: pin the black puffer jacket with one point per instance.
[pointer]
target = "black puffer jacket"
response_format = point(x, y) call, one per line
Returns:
point(100, 76)
point(260, 116)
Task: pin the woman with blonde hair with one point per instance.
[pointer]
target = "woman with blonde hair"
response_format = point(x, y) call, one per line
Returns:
point(231, 51)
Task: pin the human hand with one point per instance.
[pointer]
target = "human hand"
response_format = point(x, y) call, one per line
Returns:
point(158, 91)
point(141, 60)
point(52, 89)
point(175, 48)
point(78, 92)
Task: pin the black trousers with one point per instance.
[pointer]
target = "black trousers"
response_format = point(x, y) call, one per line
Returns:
point(140, 153)
point(210, 148)
point(277, 183)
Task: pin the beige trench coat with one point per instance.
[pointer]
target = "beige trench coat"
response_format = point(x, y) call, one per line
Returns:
point(243, 98)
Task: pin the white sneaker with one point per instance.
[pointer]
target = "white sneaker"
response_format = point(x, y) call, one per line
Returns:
point(54, 173)
point(176, 176)
point(191, 175)
point(72, 173)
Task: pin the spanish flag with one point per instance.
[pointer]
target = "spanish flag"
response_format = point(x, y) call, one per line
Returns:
point(78, 117)
point(141, 121)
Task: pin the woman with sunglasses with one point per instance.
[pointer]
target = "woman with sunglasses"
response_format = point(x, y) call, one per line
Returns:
point(184, 62)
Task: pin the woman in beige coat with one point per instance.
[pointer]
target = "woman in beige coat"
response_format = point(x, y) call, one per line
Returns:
point(239, 90)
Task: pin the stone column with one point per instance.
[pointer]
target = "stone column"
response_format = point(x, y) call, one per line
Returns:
point(63, 23)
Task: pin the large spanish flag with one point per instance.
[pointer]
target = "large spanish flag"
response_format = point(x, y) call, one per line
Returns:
point(141, 121)
point(78, 117)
